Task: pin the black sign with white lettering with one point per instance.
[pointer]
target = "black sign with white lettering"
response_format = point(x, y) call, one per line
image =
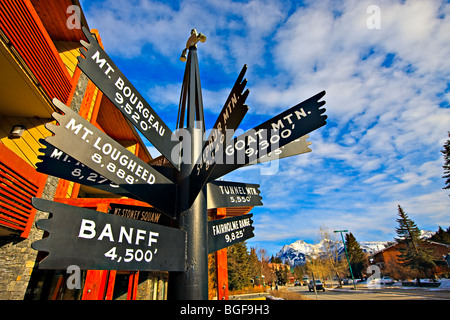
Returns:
point(59, 164)
point(147, 214)
point(102, 71)
point(89, 145)
point(223, 233)
point(228, 121)
point(275, 133)
point(225, 194)
point(296, 147)
point(94, 240)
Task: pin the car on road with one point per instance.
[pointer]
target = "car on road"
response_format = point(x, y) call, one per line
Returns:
point(350, 281)
point(319, 285)
point(387, 280)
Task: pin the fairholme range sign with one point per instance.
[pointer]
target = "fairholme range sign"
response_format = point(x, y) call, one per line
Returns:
point(231, 226)
point(172, 233)
point(225, 232)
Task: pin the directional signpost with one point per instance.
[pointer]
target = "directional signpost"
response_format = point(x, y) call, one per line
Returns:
point(174, 234)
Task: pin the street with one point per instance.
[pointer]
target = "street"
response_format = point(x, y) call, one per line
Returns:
point(364, 293)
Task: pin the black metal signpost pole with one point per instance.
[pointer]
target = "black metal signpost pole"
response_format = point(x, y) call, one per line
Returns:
point(192, 284)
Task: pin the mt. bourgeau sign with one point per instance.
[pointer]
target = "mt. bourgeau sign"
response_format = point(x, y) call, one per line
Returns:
point(99, 67)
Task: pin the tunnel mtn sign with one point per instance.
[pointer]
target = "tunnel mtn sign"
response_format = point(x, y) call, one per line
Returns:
point(182, 193)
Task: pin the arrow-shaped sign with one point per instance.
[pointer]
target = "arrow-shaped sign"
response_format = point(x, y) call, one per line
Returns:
point(296, 147)
point(225, 194)
point(94, 240)
point(147, 214)
point(228, 121)
point(102, 71)
point(223, 233)
point(89, 145)
point(59, 164)
point(271, 135)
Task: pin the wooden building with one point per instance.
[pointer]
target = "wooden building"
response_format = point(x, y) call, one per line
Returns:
point(388, 258)
point(40, 43)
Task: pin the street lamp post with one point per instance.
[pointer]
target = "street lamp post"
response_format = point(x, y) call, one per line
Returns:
point(346, 254)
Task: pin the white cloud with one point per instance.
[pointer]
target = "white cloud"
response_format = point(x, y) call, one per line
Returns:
point(234, 30)
point(165, 95)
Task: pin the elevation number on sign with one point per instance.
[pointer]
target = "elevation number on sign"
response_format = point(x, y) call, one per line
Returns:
point(131, 254)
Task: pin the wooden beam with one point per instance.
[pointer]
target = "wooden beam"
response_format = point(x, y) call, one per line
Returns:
point(95, 202)
point(222, 274)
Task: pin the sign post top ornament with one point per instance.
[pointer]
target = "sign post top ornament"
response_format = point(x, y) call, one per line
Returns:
point(192, 41)
point(182, 191)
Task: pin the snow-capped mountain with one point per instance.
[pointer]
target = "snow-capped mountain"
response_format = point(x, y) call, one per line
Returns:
point(296, 253)
point(424, 234)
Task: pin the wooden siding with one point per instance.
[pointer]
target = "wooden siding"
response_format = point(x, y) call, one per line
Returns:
point(54, 16)
point(19, 182)
point(26, 147)
point(89, 106)
point(68, 51)
point(27, 35)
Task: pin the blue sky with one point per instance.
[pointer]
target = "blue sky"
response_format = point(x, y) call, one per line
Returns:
point(387, 79)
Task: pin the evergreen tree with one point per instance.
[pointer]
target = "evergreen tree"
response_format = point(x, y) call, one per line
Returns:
point(441, 236)
point(358, 259)
point(299, 272)
point(275, 260)
point(446, 153)
point(254, 267)
point(284, 273)
point(238, 266)
point(412, 253)
point(212, 279)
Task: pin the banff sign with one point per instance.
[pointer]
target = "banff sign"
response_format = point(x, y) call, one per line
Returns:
point(135, 238)
point(94, 240)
